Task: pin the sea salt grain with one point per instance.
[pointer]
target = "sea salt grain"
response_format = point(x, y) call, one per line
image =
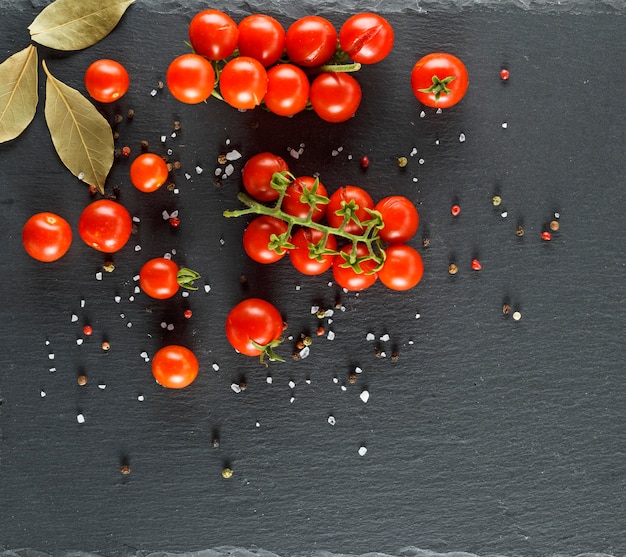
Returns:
point(292, 385)
point(74, 318)
point(365, 396)
point(331, 420)
point(80, 419)
point(215, 367)
point(384, 338)
point(462, 137)
point(330, 335)
point(370, 336)
point(207, 288)
point(362, 451)
point(42, 394)
point(99, 275)
point(235, 387)
point(233, 155)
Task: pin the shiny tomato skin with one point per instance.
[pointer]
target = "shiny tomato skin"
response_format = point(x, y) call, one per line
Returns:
point(335, 96)
point(158, 278)
point(46, 237)
point(403, 267)
point(257, 175)
point(257, 236)
point(175, 367)
point(261, 37)
point(311, 41)
point(362, 199)
point(243, 82)
point(105, 225)
point(366, 37)
point(148, 172)
point(299, 254)
point(106, 80)
point(400, 218)
point(348, 278)
point(292, 204)
point(190, 78)
point(442, 65)
point(256, 320)
point(213, 34)
point(287, 90)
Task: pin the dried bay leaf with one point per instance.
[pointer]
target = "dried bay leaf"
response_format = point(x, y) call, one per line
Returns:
point(18, 92)
point(81, 136)
point(76, 24)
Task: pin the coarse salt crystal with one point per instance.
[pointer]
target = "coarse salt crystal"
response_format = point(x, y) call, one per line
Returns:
point(370, 336)
point(215, 367)
point(187, 176)
point(331, 420)
point(305, 352)
point(102, 386)
point(42, 394)
point(218, 171)
point(52, 369)
point(235, 387)
point(144, 355)
point(422, 114)
point(82, 303)
point(357, 369)
point(365, 396)
point(335, 380)
point(292, 385)
point(163, 138)
point(74, 318)
point(199, 170)
point(314, 309)
point(233, 155)
point(129, 324)
point(165, 215)
point(136, 219)
point(229, 169)
point(417, 316)
point(137, 247)
point(292, 399)
point(136, 278)
point(462, 137)
point(153, 93)
point(362, 451)
point(413, 152)
point(344, 388)
point(140, 398)
point(207, 288)
point(331, 335)
point(98, 275)
point(79, 341)
point(80, 419)
point(269, 379)
point(385, 337)
point(51, 356)
point(505, 125)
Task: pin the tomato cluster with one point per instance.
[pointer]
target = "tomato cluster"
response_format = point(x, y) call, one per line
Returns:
point(258, 61)
point(361, 241)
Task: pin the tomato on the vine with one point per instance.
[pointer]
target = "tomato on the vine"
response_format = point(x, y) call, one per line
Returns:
point(243, 82)
point(349, 199)
point(439, 80)
point(175, 367)
point(259, 234)
point(400, 218)
point(254, 327)
point(261, 37)
point(311, 41)
point(403, 267)
point(148, 172)
point(106, 80)
point(105, 225)
point(213, 34)
point(366, 37)
point(161, 278)
point(352, 279)
point(292, 202)
point(287, 90)
point(300, 254)
point(190, 78)
point(335, 96)
point(257, 175)
point(46, 236)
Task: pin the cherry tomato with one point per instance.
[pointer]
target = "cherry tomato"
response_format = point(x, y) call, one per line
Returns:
point(403, 267)
point(243, 82)
point(174, 366)
point(46, 236)
point(148, 172)
point(347, 277)
point(287, 90)
point(257, 175)
point(335, 96)
point(105, 225)
point(213, 34)
point(300, 254)
point(261, 37)
point(293, 204)
point(254, 323)
point(190, 78)
point(106, 80)
point(439, 80)
point(351, 196)
point(366, 37)
point(400, 218)
point(158, 278)
point(258, 235)
point(311, 41)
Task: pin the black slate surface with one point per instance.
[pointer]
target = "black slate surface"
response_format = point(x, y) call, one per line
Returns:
point(487, 435)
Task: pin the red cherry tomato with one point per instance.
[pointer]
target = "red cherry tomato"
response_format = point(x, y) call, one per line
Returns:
point(213, 34)
point(106, 80)
point(175, 367)
point(347, 277)
point(335, 96)
point(190, 78)
point(300, 254)
point(400, 218)
point(148, 172)
point(158, 278)
point(293, 204)
point(253, 323)
point(257, 175)
point(366, 37)
point(258, 235)
point(287, 90)
point(243, 82)
point(403, 267)
point(439, 80)
point(105, 225)
point(261, 37)
point(311, 41)
point(355, 199)
point(46, 236)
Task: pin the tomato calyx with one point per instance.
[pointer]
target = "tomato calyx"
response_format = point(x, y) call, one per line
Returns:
point(268, 350)
point(186, 278)
point(439, 86)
